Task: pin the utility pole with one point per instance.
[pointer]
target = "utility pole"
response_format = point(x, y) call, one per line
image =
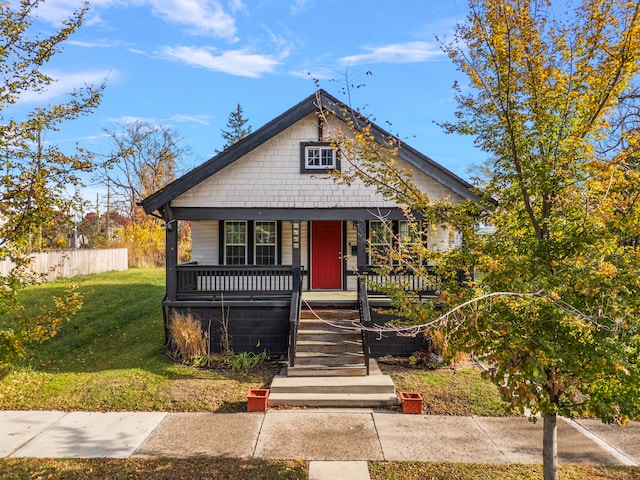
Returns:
point(108, 210)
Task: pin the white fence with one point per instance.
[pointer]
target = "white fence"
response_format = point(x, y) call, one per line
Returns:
point(69, 263)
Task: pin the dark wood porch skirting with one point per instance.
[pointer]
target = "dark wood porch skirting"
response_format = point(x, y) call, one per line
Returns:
point(390, 343)
point(252, 326)
point(258, 326)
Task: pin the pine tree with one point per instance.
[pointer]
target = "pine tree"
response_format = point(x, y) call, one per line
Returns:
point(236, 127)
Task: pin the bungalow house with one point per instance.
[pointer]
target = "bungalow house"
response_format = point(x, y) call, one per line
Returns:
point(269, 226)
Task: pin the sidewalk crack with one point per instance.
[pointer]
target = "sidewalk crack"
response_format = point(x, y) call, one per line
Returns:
point(486, 434)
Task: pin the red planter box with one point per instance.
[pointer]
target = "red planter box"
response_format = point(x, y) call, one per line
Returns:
point(257, 400)
point(411, 403)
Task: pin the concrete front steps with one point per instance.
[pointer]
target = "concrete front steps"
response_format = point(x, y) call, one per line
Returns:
point(330, 369)
point(325, 347)
point(368, 391)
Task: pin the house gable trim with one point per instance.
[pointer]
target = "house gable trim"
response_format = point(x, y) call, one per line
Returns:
point(228, 156)
point(310, 105)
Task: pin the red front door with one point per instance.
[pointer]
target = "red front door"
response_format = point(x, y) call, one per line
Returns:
point(326, 254)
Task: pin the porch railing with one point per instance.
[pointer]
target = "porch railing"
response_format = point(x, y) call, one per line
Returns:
point(294, 315)
point(421, 285)
point(210, 281)
point(365, 318)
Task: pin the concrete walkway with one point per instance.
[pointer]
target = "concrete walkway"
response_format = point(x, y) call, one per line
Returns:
point(322, 436)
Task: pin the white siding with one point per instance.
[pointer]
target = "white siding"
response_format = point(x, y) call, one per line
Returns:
point(269, 177)
point(205, 240)
point(439, 238)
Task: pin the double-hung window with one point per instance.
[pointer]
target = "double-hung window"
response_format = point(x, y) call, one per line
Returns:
point(388, 239)
point(379, 243)
point(250, 243)
point(316, 156)
point(265, 243)
point(235, 243)
point(409, 240)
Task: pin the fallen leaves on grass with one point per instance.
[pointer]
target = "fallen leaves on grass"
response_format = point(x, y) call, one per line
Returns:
point(449, 391)
point(220, 390)
point(464, 471)
point(152, 469)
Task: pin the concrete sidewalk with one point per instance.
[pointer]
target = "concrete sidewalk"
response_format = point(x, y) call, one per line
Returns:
point(323, 435)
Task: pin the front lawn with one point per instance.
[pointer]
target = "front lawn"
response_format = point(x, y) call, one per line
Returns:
point(111, 356)
point(448, 391)
point(240, 469)
point(473, 471)
point(152, 469)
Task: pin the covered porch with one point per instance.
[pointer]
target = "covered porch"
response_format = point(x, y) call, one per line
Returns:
point(319, 261)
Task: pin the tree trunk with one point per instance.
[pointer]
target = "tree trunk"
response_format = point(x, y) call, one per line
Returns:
point(550, 447)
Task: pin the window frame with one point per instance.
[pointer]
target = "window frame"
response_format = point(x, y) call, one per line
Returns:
point(384, 243)
point(321, 146)
point(273, 244)
point(394, 239)
point(227, 244)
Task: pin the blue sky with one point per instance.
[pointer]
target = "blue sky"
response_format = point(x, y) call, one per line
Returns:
point(186, 64)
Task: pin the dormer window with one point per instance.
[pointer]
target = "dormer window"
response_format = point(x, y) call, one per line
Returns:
point(318, 157)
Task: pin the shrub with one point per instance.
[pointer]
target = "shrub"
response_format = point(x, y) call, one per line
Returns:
point(188, 342)
point(246, 361)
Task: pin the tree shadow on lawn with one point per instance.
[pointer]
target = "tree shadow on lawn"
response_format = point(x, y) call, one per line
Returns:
point(120, 326)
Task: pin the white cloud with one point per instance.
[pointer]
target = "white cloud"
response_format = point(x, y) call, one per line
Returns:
point(129, 119)
point(97, 44)
point(234, 62)
point(200, 119)
point(237, 6)
point(66, 83)
point(206, 17)
point(316, 73)
point(299, 6)
point(55, 11)
point(409, 52)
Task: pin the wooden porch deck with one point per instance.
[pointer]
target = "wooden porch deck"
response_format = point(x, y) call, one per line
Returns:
point(314, 296)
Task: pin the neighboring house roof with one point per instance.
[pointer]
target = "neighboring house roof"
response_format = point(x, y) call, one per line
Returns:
point(307, 106)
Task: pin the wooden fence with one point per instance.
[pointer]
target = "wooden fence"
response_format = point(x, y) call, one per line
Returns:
point(69, 263)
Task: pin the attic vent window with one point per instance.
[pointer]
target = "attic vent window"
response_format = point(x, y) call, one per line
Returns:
point(318, 157)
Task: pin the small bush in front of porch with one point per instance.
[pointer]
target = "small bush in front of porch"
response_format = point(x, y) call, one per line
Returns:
point(246, 361)
point(188, 343)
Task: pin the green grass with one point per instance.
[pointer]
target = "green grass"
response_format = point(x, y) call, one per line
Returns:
point(461, 391)
point(152, 469)
point(464, 471)
point(111, 356)
point(240, 469)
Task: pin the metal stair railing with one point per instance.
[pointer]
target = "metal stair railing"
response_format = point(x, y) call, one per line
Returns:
point(365, 318)
point(294, 314)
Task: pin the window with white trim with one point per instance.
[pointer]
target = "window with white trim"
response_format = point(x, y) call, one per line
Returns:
point(235, 242)
point(316, 156)
point(410, 238)
point(379, 242)
point(266, 239)
point(396, 235)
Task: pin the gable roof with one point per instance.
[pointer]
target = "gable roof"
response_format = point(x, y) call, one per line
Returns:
point(307, 106)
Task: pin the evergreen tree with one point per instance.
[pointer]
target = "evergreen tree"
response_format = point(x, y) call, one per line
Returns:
point(236, 127)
